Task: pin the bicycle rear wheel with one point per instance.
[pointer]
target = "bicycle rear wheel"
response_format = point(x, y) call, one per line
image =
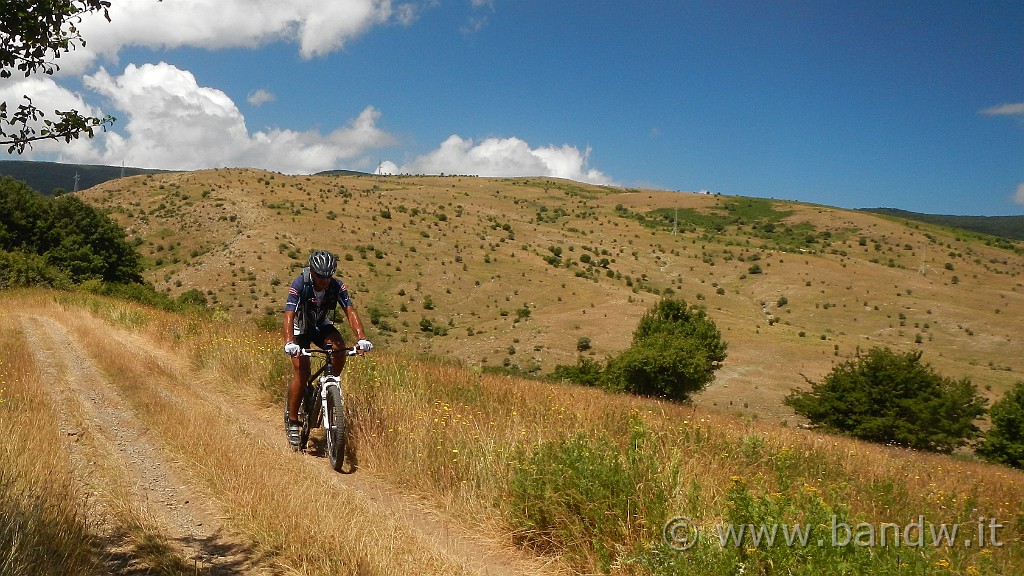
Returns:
point(336, 431)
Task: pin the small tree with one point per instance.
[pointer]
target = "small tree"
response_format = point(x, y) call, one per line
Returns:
point(892, 398)
point(1004, 443)
point(675, 351)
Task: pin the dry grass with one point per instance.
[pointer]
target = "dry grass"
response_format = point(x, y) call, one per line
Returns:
point(43, 523)
point(459, 437)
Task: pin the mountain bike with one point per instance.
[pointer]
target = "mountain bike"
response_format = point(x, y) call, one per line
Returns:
point(323, 403)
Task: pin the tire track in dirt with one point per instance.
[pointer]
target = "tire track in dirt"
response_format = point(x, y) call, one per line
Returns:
point(120, 465)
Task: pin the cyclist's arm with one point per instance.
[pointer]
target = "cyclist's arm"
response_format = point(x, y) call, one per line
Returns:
point(355, 322)
point(288, 330)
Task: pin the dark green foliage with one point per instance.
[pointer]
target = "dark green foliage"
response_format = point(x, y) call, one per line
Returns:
point(892, 398)
point(193, 297)
point(675, 351)
point(60, 241)
point(1002, 226)
point(21, 210)
point(20, 268)
point(586, 372)
point(49, 177)
point(78, 238)
point(1004, 442)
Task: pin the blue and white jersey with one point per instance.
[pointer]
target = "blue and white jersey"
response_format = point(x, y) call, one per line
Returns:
point(312, 308)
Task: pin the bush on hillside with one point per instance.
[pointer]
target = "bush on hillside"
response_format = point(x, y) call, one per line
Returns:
point(586, 372)
point(1004, 442)
point(193, 297)
point(892, 398)
point(675, 352)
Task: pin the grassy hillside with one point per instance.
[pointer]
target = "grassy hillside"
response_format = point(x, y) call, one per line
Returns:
point(514, 272)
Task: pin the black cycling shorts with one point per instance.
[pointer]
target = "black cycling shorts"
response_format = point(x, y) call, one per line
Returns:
point(319, 337)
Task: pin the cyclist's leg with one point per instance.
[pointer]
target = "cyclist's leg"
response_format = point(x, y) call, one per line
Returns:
point(330, 334)
point(300, 373)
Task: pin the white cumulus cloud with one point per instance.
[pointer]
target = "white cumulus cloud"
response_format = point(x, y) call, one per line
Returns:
point(170, 121)
point(260, 97)
point(502, 157)
point(316, 26)
point(1018, 198)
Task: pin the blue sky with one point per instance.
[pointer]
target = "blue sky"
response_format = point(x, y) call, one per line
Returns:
point(912, 105)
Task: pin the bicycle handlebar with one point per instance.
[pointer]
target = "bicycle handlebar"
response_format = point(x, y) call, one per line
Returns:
point(353, 351)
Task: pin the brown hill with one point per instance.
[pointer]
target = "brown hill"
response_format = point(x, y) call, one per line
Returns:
point(516, 272)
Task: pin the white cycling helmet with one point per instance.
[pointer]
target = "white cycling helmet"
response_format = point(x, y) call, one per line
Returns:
point(323, 263)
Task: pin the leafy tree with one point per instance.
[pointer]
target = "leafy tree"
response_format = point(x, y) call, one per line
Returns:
point(21, 210)
point(892, 398)
point(33, 34)
point(58, 241)
point(78, 238)
point(1004, 443)
point(675, 351)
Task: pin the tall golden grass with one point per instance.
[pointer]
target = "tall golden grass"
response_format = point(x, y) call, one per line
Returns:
point(470, 441)
point(43, 522)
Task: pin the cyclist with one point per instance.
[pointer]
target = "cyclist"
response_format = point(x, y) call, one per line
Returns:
point(311, 297)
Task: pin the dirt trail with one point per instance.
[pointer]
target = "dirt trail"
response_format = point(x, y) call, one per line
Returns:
point(115, 458)
point(112, 452)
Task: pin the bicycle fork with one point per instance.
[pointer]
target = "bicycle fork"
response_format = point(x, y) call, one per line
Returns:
point(325, 383)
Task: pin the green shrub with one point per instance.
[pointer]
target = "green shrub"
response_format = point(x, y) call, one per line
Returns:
point(891, 398)
point(675, 352)
point(583, 344)
point(588, 498)
point(193, 297)
point(1004, 442)
point(21, 269)
point(586, 372)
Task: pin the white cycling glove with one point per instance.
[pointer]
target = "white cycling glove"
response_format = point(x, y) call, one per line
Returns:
point(364, 345)
point(292, 349)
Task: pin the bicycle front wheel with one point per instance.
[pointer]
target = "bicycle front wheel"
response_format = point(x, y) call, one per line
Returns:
point(335, 420)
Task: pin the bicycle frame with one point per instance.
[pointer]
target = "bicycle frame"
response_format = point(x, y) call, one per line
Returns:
point(324, 376)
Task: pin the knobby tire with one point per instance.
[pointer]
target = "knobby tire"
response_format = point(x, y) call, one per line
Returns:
point(336, 434)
